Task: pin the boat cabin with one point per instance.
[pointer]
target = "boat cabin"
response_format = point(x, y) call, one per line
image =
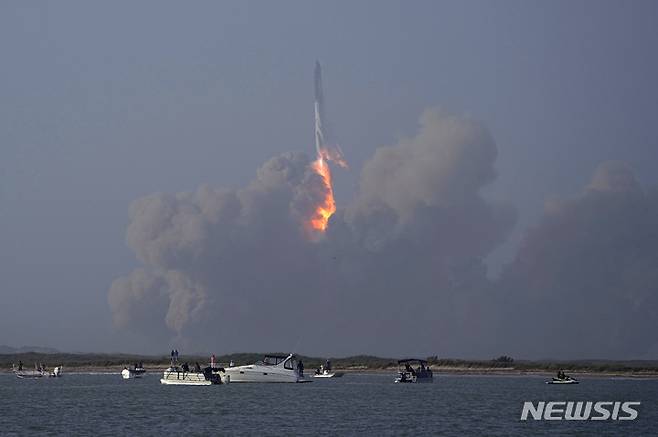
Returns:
point(288, 361)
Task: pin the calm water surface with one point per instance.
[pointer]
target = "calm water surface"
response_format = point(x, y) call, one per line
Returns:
point(355, 404)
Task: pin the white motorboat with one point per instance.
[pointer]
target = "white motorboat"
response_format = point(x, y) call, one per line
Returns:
point(176, 375)
point(407, 373)
point(273, 368)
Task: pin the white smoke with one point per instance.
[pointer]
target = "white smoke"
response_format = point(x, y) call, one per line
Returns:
point(403, 260)
point(401, 257)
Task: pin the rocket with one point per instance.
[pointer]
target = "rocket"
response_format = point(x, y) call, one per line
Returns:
point(319, 108)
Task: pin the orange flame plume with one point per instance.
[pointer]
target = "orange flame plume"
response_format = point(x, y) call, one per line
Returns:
point(327, 206)
point(325, 209)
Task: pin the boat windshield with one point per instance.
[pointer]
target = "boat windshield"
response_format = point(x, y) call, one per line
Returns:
point(273, 360)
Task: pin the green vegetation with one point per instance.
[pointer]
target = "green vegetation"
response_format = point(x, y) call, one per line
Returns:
point(360, 362)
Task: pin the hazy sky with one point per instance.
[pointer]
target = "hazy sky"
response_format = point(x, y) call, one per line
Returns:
point(104, 103)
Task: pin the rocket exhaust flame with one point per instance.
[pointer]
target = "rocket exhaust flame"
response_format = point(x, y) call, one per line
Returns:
point(320, 219)
point(325, 154)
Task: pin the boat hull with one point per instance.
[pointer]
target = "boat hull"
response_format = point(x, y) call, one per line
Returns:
point(30, 374)
point(132, 373)
point(184, 382)
point(326, 374)
point(570, 381)
point(256, 373)
point(411, 379)
point(188, 378)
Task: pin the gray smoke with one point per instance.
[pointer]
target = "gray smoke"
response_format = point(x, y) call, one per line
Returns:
point(404, 257)
point(410, 249)
point(585, 281)
point(400, 269)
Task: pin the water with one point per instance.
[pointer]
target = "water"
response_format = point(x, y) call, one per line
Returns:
point(355, 404)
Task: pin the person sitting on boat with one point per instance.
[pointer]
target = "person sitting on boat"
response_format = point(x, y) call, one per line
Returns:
point(185, 367)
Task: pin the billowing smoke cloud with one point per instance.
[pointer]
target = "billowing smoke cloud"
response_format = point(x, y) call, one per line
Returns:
point(399, 269)
point(235, 270)
point(585, 281)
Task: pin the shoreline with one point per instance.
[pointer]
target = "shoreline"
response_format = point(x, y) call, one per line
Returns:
point(438, 370)
point(367, 364)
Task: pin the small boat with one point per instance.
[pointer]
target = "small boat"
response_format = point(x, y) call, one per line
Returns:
point(176, 375)
point(562, 379)
point(325, 371)
point(565, 380)
point(137, 371)
point(407, 373)
point(273, 368)
point(38, 372)
point(30, 374)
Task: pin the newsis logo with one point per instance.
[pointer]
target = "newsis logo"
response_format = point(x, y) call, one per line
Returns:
point(570, 410)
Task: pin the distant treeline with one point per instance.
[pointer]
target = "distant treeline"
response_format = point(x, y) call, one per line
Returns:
point(355, 362)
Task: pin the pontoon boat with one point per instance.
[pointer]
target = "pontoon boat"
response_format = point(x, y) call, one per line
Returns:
point(414, 370)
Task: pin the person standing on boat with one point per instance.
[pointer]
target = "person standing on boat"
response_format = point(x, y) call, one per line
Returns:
point(300, 368)
point(20, 365)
